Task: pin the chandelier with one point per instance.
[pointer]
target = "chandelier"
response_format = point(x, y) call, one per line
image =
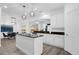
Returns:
point(29, 11)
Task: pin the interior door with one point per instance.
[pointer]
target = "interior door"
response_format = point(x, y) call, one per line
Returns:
point(72, 31)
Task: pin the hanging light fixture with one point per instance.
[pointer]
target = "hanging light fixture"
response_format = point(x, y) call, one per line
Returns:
point(29, 11)
point(25, 14)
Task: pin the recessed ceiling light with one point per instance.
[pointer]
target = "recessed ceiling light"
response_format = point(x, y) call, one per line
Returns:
point(5, 6)
point(45, 15)
point(35, 8)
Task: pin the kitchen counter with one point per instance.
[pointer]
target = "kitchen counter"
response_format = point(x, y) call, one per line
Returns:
point(31, 35)
point(54, 32)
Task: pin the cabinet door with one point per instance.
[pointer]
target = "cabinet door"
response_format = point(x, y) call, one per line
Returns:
point(72, 29)
point(59, 41)
point(59, 22)
point(53, 21)
point(48, 39)
point(54, 40)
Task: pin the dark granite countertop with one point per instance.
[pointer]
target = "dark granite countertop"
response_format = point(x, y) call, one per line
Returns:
point(30, 35)
point(57, 33)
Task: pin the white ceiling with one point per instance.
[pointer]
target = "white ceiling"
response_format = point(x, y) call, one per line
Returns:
point(17, 9)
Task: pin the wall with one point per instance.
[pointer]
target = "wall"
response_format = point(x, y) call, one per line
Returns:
point(0, 18)
point(0, 26)
point(6, 19)
point(71, 21)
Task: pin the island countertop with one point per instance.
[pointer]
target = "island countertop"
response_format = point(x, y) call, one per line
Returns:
point(30, 35)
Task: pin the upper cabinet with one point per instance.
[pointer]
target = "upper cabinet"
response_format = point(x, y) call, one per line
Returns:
point(57, 20)
point(53, 19)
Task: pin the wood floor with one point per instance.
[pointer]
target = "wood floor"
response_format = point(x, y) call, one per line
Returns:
point(53, 50)
point(9, 48)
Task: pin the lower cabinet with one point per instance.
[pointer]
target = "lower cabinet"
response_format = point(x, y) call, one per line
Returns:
point(54, 40)
point(59, 41)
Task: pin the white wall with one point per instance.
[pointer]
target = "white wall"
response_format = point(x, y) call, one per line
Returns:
point(6, 19)
point(72, 28)
point(0, 26)
point(0, 15)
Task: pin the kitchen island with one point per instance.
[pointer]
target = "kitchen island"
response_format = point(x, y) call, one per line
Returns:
point(29, 44)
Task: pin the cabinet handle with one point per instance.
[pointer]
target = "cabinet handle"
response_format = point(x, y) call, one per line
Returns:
point(67, 34)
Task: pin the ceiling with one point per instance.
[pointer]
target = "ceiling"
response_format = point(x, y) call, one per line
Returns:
point(17, 9)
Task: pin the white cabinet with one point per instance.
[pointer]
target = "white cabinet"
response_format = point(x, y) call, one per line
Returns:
point(47, 39)
point(57, 20)
point(59, 40)
point(54, 40)
point(53, 19)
